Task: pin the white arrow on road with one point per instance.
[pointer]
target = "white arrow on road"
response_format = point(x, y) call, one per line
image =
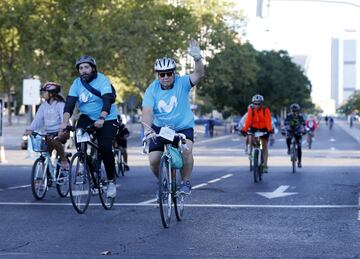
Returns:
point(279, 192)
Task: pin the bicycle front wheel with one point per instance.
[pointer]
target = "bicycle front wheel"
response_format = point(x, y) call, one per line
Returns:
point(293, 159)
point(39, 179)
point(79, 183)
point(165, 192)
point(102, 184)
point(178, 199)
point(62, 181)
point(256, 165)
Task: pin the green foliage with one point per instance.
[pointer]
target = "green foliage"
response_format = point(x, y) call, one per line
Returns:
point(351, 105)
point(43, 38)
point(231, 77)
point(238, 72)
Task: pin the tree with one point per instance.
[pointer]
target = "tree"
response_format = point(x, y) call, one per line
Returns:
point(231, 77)
point(140, 32)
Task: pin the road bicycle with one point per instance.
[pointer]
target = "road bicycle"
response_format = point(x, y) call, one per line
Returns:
point(309, 137)
point(169, 174)
point(257, 158)
point(45, 170)
point(293, 153)
point(87, 176)
point(119, 161)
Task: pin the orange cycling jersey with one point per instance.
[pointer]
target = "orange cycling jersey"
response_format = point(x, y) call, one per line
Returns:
point(258, 118)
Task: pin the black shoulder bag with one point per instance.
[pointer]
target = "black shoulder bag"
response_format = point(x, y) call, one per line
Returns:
point(96, 92)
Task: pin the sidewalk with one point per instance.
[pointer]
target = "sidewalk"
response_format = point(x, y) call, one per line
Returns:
point(353, 132)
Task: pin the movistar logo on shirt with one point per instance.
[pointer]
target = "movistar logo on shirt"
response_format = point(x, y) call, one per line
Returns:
point(164, 107)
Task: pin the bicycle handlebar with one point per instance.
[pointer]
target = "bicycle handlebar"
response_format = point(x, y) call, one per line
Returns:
point(180, 136)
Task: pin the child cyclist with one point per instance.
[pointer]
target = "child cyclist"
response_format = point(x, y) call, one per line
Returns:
point(49, 117)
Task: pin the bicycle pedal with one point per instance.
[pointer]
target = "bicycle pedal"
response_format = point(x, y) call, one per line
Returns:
point(94, 191)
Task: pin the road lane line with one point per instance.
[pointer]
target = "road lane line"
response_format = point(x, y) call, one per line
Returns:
point(194, 187)
point(231, 206)
point(226, 176)
point(18, 187)
point(214, 180)
point(359, 207)
point(199, 186)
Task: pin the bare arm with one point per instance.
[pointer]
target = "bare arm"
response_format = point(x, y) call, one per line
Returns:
point(198, 73)
point(147, 118)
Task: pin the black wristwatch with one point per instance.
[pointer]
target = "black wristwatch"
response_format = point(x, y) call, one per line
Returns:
point(102, 118)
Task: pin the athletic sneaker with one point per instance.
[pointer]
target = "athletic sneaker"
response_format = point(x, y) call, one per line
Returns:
point(185, 188)
point(111, 190)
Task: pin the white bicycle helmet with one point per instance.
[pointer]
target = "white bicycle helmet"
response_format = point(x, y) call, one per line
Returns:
point(257, 99)
point(164, 64)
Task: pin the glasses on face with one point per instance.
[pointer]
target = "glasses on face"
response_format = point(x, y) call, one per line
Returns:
point(169, 74)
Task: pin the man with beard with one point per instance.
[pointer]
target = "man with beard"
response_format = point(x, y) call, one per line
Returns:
point(96, 108)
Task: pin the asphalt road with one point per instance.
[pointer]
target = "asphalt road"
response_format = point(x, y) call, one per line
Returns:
point(311, 214)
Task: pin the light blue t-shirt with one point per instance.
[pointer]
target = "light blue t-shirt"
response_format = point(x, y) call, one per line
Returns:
point(88, 103)
point(170, 107)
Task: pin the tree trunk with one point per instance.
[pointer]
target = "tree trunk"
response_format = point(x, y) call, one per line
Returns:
point(9, 108)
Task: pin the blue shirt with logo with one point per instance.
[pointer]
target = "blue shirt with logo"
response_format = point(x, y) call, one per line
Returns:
point(171, 107)
point(88, 103)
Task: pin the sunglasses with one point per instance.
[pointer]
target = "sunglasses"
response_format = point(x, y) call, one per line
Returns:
point(169, 74)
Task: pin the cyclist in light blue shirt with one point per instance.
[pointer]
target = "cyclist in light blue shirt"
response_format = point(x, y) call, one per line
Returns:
point(96, 108)
point(166, 103)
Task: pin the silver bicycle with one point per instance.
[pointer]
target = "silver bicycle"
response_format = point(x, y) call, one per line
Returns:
point(46, 171)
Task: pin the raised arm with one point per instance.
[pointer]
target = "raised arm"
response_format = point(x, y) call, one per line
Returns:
point(199, 71)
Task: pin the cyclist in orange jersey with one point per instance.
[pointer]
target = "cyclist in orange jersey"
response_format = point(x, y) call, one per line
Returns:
point(259, 119)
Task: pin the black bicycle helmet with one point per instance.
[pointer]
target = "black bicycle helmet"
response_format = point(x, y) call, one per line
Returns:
point(85, 59)
point(295, 107)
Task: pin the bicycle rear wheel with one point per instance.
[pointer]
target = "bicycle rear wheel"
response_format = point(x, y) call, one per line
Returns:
point(251, 162)
point(79, 183)
point(102, 184)
point(62, 181)
point(178, 199)
point(39, 179)
point(256, 168)
point(165, 192)
point(119, 163)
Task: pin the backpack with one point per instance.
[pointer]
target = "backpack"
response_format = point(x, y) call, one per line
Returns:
point(96, 92)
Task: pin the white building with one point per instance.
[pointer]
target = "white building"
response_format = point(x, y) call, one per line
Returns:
point(344, 66)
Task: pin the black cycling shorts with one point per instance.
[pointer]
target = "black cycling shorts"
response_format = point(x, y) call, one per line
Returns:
point(159, 146)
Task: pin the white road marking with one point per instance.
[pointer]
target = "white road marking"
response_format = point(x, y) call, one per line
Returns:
point(194, 187)
point(279, 192)
point(18, 187)
point(214, 180)
point(359, 208)
point(199, 185)
point(211, 205)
